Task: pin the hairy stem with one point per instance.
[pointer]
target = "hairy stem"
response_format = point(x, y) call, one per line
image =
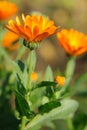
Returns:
point(70, 124)
point(68, 73)
point(23, 121)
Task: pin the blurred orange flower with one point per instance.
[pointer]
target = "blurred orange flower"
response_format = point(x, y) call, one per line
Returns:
point(34, 76)
point(7, 9)
point(10, 41)
point(60, 80)
point(34, 28)
point(74, 42)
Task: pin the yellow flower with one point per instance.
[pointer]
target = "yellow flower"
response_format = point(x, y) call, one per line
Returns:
point(74, 42)
point(34, 76)
point(10, 41)
point(7, 9)
point(60, 80)
point(33, 28)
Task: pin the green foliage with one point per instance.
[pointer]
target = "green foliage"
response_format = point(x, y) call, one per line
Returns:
point(21, 65)
point(29, 105)
point(80, 121)
point(48, 106)
point(20, 88)
point(48, 74)
point(22, 106)
point(67, 108)
point(8, 121)
point(46, 84)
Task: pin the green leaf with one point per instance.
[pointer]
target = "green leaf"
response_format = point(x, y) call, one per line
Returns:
point(21, 65)
point(17, 69)
point(22, 49)
point(46, 83)
point(49, 74)
point(49, 106)
point(22, 105)
point(20, 87)
point(80, 80)
point(67, 108)
point(12, 63)
point(80, 121)
point(6, 80)
point(25, 77)
point(80, 85)
point(50, 87)
point(51, 125)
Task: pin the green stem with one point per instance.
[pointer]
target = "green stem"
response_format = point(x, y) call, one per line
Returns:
point(68, 74)
point(70, 124)
point(29, 69)
point(23, 123)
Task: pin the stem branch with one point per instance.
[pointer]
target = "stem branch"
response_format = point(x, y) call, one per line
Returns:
point(70, 124)
point(68, 74)
point(23, 121)
point(29, 67)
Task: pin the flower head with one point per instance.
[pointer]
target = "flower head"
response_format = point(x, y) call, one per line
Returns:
point(60, 80)
point(10, 41)
point(74, 42)
point(7, 9)
point(33, 29)
point(34, 76)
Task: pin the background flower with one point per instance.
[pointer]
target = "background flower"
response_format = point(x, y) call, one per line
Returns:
point(60, 80)
point(74, 42)
point(7, 9)
point(34, 76)
point(10, 41)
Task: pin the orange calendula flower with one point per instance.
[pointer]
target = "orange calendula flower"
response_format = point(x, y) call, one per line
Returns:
point(7, 9)
point(34, 76)
point(74, 42)
point(60, 80)
point(33, 29)
point(10, 41)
